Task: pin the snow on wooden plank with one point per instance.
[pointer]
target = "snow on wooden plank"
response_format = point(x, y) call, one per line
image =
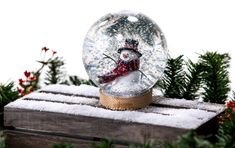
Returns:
point(62, 109)
point(61, 98)
point(179, 118)
point(82, 90)
point(91, 91)
point(94, 102)
point(189, 104)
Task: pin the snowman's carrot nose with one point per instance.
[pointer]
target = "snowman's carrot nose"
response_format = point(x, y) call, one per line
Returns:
point(125, 55)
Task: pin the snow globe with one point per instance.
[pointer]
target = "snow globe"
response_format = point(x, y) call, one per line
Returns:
point(125, 54)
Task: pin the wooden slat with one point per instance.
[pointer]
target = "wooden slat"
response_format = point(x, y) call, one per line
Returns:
point(81, 90)
point(182, 103)
point(88, 126)
point(58, 98)
point(20, 139)
point(71, 111)
point(180, 118)
point(157, 100)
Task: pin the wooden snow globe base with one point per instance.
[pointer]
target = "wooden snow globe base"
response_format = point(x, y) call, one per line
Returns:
point(125, 103)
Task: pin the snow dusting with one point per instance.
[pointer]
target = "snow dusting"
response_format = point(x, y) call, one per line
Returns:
point(85, 90)
point(61, 98)
point(189, 104)
point(180, 118)
point(179, 113)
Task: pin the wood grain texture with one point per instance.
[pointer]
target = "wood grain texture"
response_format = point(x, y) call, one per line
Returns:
point(19, 139)
point(88, 126)
point(81, 130)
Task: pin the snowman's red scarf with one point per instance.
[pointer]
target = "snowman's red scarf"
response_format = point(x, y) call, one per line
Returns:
point(122, 69)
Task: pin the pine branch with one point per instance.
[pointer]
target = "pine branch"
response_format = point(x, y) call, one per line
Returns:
point(104, 143)
point(215, 76)
point(75, 80)
point(146, 144)
point(63, 145)
point(173, 82)
point(191, 139)
point(226, 132)
point(7, 93)
point(55, 74)
point(193, 80)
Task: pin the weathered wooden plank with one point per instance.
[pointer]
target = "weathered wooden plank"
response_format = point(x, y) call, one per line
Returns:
point(59, 98)
point(179, 118)
point(182, 103)
point(75, 111)
point(81, 91)
point(23, 139)
point(89, 126)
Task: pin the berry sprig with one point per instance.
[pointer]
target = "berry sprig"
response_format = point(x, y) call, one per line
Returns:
point(231, 105)
point(229, 113)
point(29, 83)
point(26, 84)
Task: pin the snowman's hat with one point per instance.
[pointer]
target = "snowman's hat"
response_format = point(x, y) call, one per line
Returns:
point(132, 45)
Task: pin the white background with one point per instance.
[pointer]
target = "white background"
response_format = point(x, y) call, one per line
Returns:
point(190, 27)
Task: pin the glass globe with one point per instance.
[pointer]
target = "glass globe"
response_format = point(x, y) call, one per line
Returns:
point(125, 53)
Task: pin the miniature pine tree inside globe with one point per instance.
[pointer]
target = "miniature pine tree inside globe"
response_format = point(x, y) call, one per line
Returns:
point(125, 54)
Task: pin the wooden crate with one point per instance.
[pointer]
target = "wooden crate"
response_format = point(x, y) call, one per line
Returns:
point(72, 114)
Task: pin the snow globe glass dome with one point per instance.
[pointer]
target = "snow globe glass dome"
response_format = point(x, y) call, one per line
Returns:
point(125, 54)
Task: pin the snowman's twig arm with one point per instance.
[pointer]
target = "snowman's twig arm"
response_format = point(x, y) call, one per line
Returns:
point(107, 56)
point(143, 74)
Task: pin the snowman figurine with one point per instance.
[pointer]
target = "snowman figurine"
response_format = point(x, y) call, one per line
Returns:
point(126, 75)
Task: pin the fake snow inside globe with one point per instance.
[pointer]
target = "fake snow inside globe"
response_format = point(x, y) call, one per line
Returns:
point(125, 54)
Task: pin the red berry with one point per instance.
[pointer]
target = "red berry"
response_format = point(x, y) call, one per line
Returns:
point(45, 49)
point(27, 74)
point(230, 104)
point(21, 82)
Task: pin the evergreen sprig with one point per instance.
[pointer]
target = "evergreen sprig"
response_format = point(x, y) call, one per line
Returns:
point(147, 144)
point(55, 74)
point(193, 80)
point(215, 76)
point(75, 80)
point(190, 140)
point(173, 82)
point(226, 131)
point(63, 145)
point(104, 143)
point(7, 93)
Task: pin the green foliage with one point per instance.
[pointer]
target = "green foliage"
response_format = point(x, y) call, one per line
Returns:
point(147, 144)
point(209, 73)
point(226, 132)
point(215, 76)
point(225, 135)
point(35, 84)
point(190, 140)
point(63, 145)
point(8, 93)
point(193, 80)
point(104, 143)
point(55, 74)
point(2, 142)
point(173, 82)
point(75, 80)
